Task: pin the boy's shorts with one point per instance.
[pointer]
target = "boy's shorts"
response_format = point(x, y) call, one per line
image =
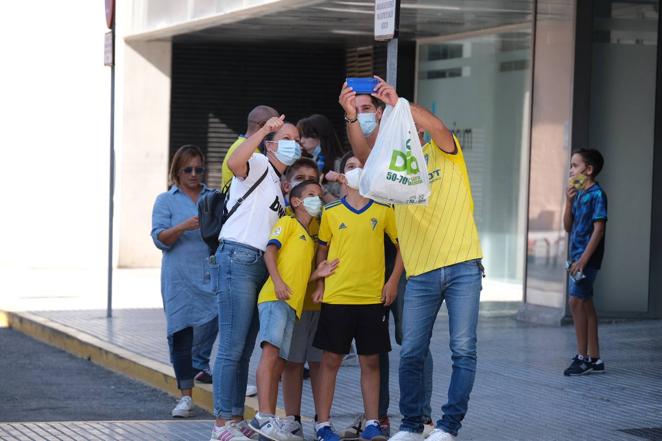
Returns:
point(340, 324)
point(276, 325)
point(584, 288)
point(301, 348)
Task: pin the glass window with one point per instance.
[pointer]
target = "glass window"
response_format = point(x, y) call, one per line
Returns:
point(480, 87)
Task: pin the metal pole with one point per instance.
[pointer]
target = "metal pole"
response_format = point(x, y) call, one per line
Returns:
point(392, 62)
point(392, 51)
point(109, 307)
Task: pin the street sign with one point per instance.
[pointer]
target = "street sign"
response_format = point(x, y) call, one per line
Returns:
point(108, 50)
point(110, 13)
point(385, 19)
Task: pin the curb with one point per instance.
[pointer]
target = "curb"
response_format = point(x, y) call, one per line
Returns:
point(112, 357)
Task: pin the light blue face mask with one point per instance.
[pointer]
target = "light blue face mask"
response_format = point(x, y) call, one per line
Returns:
point(288, 151)
point(313, 205)
point(368, 123)
point(317, 150)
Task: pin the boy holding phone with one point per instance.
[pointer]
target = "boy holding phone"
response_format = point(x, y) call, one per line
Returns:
point(585, 218)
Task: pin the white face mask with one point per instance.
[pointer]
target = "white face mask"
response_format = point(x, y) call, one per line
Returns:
point(353, 178)
point(313, 205)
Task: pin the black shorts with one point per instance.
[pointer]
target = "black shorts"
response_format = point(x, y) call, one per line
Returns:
point(340, 324)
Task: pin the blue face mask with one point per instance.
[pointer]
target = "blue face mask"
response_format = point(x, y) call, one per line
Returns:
point(288, 151)
point(368, 123)
point(313, 205)
point(317, 150)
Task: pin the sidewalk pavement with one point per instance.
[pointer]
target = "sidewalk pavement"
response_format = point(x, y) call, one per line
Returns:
point(519, 393)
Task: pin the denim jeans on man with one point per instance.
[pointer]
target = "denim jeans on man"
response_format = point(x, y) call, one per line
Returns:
point(459, 285)
point(241, 275)
point(384, 363)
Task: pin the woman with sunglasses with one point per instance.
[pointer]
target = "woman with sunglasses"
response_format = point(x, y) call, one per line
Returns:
point(187, 287)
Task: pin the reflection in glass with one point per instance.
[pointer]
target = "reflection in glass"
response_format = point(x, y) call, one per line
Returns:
point(480, 87)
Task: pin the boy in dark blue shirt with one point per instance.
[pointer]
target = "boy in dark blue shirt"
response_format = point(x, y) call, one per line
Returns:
point(585, 218)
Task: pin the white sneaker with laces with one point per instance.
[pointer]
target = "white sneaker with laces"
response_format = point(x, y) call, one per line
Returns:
point(251, 390)
point(184, 408)
point(246, 430)
point(403, 435)
point(440, 435)
point(292, 428)
point(229, 432)
point(268, 427)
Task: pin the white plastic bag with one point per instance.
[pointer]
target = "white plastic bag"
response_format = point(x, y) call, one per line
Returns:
point(396, 172)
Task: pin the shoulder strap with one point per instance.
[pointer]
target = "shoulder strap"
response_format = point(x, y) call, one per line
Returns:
point(248, 192)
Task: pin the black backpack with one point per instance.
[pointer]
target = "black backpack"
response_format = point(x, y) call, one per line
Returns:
point(213, 212)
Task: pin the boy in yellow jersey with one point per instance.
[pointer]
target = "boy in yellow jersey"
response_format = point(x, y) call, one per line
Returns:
point(354, 298)
point(256, 119)
point(301, 350)
point(441, 253)
point(289, 256)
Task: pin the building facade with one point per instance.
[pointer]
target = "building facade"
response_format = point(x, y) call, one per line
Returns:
point(521, 83)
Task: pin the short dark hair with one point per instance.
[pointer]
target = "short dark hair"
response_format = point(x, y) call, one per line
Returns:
point(593, 158)
point(301, 163)
point(298, 189)
point(379, 104)
point(343, 161)
point(183, 154)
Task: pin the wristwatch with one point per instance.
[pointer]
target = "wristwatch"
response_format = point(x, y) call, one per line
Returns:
point(350, 121)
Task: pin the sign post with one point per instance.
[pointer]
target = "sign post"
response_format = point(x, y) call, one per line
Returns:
point(109, 60)
point(387, 22)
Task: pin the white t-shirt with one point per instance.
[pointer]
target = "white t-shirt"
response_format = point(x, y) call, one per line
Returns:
point(253, 221)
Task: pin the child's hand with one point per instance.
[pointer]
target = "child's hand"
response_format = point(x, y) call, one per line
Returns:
point(332, 176)
point(326, 268)
point(282, 290)
point(318, 295)
point(577, 267)
point(570, 193)
point(389, 293)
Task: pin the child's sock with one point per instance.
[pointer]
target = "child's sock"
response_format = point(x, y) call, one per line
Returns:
point(374, 422)
point(319, 426)
point(262, 417)
point(596, 360)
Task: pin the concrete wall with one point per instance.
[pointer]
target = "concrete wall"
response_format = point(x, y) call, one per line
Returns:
point(143, 159)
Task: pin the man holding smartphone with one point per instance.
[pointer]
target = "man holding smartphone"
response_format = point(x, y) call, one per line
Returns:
point(441, 253)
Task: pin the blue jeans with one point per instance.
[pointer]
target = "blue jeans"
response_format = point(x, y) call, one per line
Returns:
point(203, 341)
point(460, 286)
point(384, 363)
point(241, 275)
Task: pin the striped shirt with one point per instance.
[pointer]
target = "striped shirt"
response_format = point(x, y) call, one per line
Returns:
point(443, 232)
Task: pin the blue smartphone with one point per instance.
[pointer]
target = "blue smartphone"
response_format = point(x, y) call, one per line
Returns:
point(362, 85)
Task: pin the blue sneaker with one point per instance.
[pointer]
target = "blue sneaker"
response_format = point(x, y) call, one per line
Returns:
point(372, 432)
point(326, 433)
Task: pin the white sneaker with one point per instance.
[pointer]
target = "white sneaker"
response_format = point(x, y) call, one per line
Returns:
point(246, 430)
point(292, 428)
point(251, 390)
point(440, 435)
point(228, 432)
point(268, 427)
point(184, 408)
point(427, 430)
point(403, 435)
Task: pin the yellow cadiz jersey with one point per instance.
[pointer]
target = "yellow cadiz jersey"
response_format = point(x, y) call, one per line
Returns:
point(356, 238)
point(443, 232)
point(226, 173)
point(296, 251)
point(313, 230)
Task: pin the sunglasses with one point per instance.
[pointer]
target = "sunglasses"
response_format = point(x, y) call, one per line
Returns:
point(189, 170)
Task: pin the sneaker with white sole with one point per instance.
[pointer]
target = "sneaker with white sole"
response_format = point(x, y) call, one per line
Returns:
point(292, 427)
point(269, 427)
point(251, 390)
point(372, 432)
point(229, 432)
point(403, 435)
point(184, 408)
point(247, 431)
point(354, 430)
point(440, 435)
